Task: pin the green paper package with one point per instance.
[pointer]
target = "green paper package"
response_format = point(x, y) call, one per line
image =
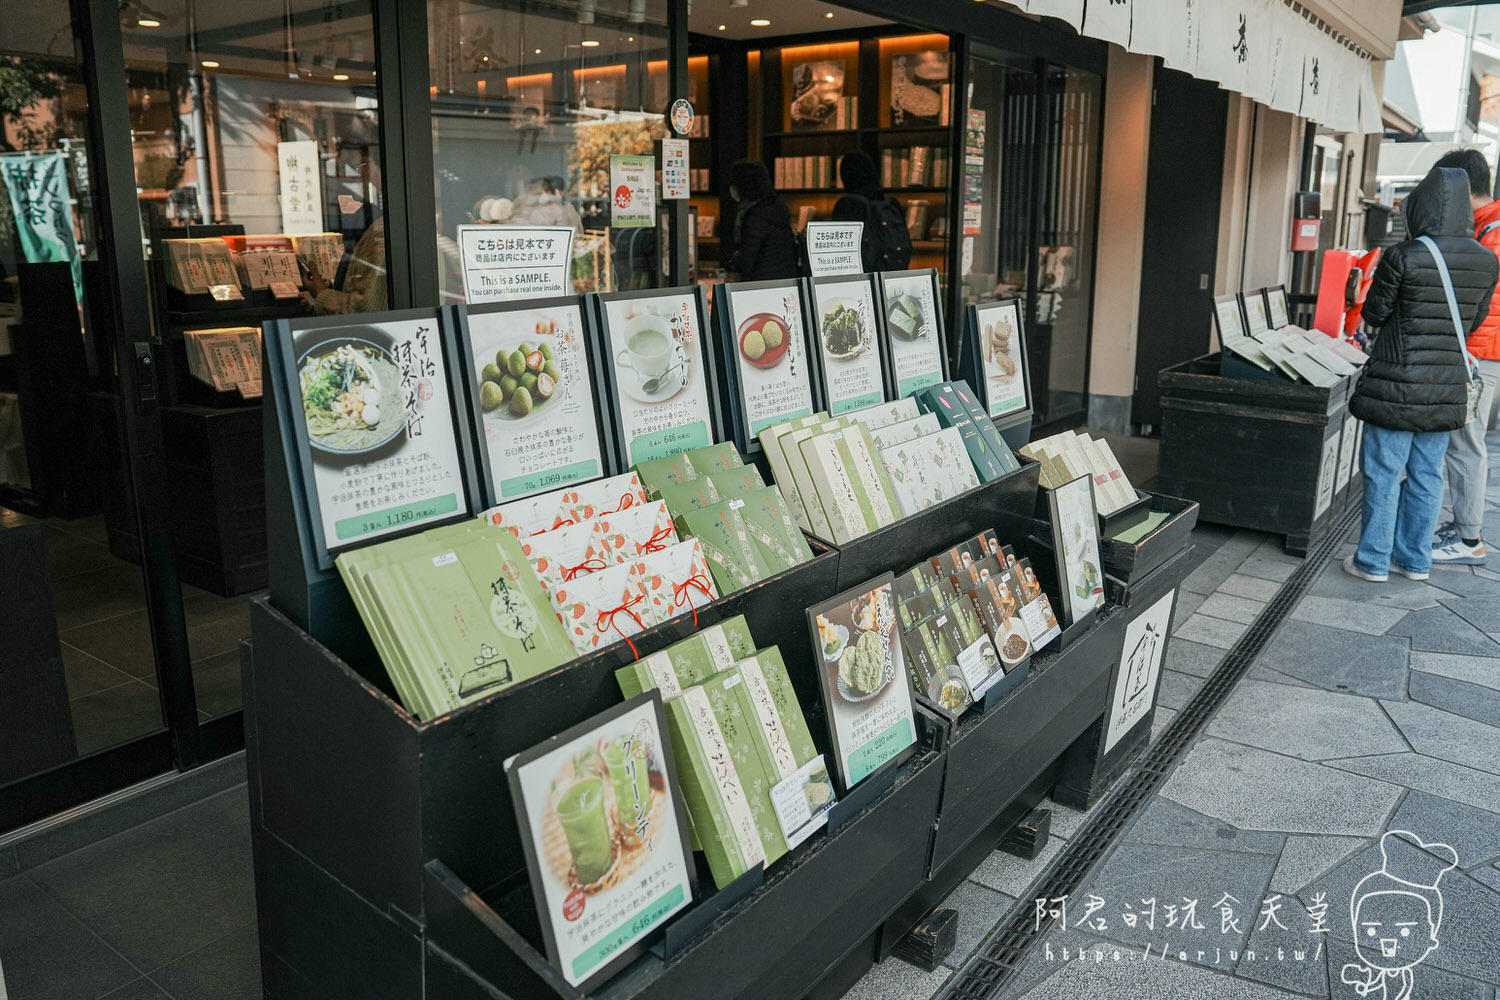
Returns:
point(691, 495)
point(732, 483)
point(885, 414)
point(934, 669)
point(742, 733)
point(813, 517)
point(732, 556)
point(771, 444)
point(693, 660)
point(771, 688)
point(724, 826)
point(861, 460)
point(986, 425)
point(715, 458)
point(656, 473)
point(915, 580)
point(778, 539)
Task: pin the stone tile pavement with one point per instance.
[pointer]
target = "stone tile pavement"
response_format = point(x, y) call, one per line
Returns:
point(1374, 708)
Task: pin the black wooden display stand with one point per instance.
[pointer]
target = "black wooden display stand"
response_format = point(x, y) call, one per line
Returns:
point(1254, 453)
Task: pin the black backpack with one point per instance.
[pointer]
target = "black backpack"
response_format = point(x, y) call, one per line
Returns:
point(886, 244)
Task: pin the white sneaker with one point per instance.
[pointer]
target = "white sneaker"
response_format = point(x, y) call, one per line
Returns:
point(1453, 552)
point(1445, 531)
point(1360, 574)
point(1408, 573)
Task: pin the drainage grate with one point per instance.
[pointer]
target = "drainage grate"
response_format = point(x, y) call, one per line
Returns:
point(988, 971)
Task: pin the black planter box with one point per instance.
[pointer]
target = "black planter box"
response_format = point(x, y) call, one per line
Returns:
point(1003, 504)
point(1252, 453)
point(780, 939)
point(1128, 561)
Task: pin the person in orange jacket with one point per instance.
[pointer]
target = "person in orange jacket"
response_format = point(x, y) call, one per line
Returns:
point(1460, 541)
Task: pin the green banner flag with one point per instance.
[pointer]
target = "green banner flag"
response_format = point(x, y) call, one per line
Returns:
point(38, 188)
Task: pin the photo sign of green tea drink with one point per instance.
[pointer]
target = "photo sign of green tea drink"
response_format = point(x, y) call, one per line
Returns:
point(373, 415)
point(864, 680)
point(605, 837)
point(658, 359)
point(764, 332)
point(848, 330)
point(914, 330)
point(528, 370)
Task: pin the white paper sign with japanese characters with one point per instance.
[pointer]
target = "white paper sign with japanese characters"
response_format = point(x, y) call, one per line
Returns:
point(833, 247)
point(515, 262)
point(301, 188)
point(1140, 665)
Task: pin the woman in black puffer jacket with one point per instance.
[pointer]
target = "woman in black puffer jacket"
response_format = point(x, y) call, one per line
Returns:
point(1412, 391)
point(764, 247)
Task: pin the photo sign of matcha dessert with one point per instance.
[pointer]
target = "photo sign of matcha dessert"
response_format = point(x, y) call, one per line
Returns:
point(605, 835)
point(370, 426)
point(532, 395)
point(1075, 537)
point(863, 678)
point(1001, 377)
point(914, 331)
point(659, 356)
point(848, 318)
point(763, 333)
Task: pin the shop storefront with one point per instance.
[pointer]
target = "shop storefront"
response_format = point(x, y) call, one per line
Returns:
point(224, 164)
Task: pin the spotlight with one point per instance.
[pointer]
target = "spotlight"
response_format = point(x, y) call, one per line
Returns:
point(760, 22)
point(209, 64)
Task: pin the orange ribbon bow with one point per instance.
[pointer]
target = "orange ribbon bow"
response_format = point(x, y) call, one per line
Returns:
point(659, 538)
point(606, 621)
point(587, 566)
point(680, 592)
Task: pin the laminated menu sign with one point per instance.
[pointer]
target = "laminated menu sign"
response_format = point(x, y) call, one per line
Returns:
point(914, 330)
point(997, 327)
point(846, 313)
point(527, 369)
point(1075, 534)
point(659, 360)
point(377, 426)
point(863, 678)
point(605, 837)
point(632, 187)
point(764, 328)
point(515, 262)
point(834, 247)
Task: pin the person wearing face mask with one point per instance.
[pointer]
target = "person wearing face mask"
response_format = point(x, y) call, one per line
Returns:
point(764, 246)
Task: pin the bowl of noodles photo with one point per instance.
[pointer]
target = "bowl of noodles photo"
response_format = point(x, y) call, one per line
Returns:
point(351, 393)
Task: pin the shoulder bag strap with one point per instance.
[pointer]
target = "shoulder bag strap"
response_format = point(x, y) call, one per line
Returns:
point(1458, 325)
point(1488, 228)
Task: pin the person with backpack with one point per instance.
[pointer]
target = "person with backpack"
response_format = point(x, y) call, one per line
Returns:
point(1428, 294)
point(764, 247)
point(1460, 541)
point(886, 243)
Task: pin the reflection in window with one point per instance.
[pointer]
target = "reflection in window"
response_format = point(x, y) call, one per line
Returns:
point(528, 106)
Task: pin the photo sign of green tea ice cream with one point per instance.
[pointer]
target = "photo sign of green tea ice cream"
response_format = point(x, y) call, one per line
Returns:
point(605, 837)
point(656, 354)
point(848, 328)
point(535, 397)
point(914, 331)
point(373, 408)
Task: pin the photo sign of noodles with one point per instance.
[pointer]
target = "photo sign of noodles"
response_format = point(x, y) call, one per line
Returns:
point(379, 427)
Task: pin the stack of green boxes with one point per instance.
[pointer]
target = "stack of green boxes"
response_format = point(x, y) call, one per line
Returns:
point(737, 732)
point(954, 405)
point(455, 614)
point(744, 526)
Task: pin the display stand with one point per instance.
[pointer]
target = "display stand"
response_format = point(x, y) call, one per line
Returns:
point(1253, 453)
point(1127, 561)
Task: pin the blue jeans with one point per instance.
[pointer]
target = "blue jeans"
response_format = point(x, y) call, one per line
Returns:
point(1400, 517)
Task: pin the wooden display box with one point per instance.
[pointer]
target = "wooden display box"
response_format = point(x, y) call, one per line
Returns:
point(1128, 561)
point(1254, 454)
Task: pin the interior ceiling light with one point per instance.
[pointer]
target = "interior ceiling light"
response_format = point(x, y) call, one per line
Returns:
point(760, 22)
point(209, 64)
point(590, 43)
point(538, 52)
point(147, 22)
point(723, 27)
point(341, 76)
point(829, 15)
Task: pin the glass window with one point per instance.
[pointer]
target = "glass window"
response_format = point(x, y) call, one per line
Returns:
point(256, 136)
point(529, 102)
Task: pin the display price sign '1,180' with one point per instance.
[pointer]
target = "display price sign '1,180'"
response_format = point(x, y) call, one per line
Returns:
point(515, 262)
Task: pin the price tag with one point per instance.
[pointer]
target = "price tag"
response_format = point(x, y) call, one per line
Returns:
point(251, 389)
point(1034, 617)
point(802, 800)
point(976, 668)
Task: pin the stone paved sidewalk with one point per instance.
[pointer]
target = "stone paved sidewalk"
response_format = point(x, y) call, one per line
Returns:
point(1374, 708)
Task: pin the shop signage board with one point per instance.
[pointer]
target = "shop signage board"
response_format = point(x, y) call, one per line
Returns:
point(605, 836)
point(370, 426)
point(532, 397)
point(834, 247)
point(1109, 21)
point(863, 679)
point(301, 174)
point(632, 186)
point(676, 180)
point(913, 341)
point(1140, 665)
point(847, 325)
point(763, 328)
point(515, 262)
point(995, 361)
point(659, 356)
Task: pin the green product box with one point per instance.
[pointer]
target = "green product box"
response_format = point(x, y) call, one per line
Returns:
point(862, 464)
point(657, 473)
point(747, 745)
point(986, 425)
point(913, 581)
point(933, 669)
point(777, 538)
point(941, 401)
point(723, 824)
point(690, 495)
point(771, 444)
point(765, 669)
point(732, 483)
point(732, 556)
point(678, 667)
point(737, 636)
point(715, 458)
